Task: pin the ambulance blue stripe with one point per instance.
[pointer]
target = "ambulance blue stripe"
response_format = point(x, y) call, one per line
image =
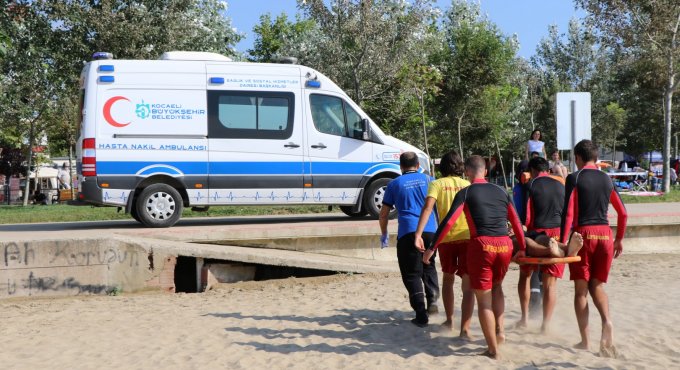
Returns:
point(244, 168)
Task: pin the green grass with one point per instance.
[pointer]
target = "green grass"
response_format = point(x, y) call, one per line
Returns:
point(65, 213)
point(672, 196)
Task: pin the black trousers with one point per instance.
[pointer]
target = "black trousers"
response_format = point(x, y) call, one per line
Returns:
point(419, 279)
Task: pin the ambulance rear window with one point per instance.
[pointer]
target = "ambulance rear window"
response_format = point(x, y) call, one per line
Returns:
point(250, 115)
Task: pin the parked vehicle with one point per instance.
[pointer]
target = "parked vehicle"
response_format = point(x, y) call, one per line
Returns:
point(196, 129)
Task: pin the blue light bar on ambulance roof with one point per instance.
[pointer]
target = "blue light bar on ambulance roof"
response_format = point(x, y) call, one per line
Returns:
point(102, 55)
point(217, 80)
point(106, 79)
point(106, 68)
point(313, 83)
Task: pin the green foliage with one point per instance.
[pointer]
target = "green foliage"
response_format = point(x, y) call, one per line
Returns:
point(272, 37)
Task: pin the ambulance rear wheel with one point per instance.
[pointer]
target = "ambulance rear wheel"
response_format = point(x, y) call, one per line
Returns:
point(159, 205)
point(373, 198)
point(348, 211)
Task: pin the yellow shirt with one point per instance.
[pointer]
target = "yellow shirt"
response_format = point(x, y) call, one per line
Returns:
point(443, 191)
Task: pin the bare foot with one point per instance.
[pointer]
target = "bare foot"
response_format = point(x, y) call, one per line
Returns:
point(607, 339)
point(493, 356)
point(446, 326)
point(575, 244)
point(545, 328)
point(581, 345)
point(608, 352)
point(554, 248)
point(465, 335)
point(521, 324)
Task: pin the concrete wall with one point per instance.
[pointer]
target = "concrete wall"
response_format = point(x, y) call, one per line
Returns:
point(73, 267)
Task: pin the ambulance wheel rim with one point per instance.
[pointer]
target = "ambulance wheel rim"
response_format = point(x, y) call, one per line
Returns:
point(160, 206)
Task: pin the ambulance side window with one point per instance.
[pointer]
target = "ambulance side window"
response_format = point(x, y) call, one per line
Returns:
point(333, 116)
point(250, 115)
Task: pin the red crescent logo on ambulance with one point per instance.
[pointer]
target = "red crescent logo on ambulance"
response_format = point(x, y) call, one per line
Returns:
point(107, 111)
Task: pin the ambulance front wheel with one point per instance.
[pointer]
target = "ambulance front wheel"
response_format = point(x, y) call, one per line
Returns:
point(348, 211)
point(159, 205)
point(373, 198)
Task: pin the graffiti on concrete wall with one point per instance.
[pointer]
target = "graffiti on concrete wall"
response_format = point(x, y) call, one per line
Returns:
point(43, 268)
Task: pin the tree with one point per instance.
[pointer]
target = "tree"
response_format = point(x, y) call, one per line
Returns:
point(274, 37)
point(477, 56)
point(652, 29)
point(611, 126)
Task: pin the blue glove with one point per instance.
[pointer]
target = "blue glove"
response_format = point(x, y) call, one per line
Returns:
point(384, 241)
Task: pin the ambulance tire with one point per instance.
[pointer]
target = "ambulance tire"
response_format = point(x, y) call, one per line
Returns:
point(373, 198)
point(348, 211)
point(134, 214)
point(159, 205)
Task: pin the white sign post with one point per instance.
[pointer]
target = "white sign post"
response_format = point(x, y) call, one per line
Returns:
point(573, 120)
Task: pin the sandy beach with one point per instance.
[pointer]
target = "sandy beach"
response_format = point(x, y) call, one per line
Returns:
point(341, 321)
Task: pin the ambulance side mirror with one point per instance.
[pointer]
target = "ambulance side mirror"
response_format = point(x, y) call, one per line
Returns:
point(366, 129)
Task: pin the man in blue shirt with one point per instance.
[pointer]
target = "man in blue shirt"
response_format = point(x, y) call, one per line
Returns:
point(407, 194)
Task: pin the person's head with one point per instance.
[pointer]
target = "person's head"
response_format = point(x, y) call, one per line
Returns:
point(555, 156)
point(451, 164)
point(534, 155)
point(492, 162)
point(522, 166)
point(585, 151)
point(536, 135)
point(63, 166)
point(408, 161)
point(537, 165)
point(475, 167)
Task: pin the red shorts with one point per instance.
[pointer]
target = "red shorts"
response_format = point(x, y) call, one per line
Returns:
point(556, 270)
point(596, 255)
point(488, 258)
point(453, 257)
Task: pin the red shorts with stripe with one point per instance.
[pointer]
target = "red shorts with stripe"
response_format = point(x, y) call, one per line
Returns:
point(596, 255)
point(556, 270)
point(453, 257)
point(488, 258)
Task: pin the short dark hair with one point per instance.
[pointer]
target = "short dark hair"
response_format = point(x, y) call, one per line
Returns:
point(538, 164)
point(408, 160)
point(451, 164)
point(475, 163)
point(587, 150)
point(540, 135)
point(535, 154)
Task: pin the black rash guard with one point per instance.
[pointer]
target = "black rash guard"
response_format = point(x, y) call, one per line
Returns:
point(487, 209)
point(544, 206)
point(586, 201)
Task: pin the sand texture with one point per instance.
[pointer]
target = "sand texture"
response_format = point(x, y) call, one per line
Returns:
point(337, 322)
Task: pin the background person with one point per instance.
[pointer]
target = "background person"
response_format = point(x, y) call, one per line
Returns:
point(64, 177)
point(535, 144)
point(453, 249)
point(557, 168)
point(407, 194)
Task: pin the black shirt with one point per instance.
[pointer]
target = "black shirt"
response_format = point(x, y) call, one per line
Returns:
point(545, 203)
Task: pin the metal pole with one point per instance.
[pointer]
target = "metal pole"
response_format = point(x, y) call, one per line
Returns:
point(573, 135)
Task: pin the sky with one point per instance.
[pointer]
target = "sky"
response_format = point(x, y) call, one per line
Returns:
point(529, 19)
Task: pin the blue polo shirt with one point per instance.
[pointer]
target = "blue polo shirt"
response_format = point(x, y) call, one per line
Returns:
point(407, 194)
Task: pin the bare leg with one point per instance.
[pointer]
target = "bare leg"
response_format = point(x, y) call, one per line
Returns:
point(448, 298)
point(601, 301)
point(536, 248)
point(549, 300)
point(524, 292)
point(498, 304)
point(467, 307)
point(581, 308)
point(487, 321)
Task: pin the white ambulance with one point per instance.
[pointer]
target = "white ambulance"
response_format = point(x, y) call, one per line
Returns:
point(196, 129)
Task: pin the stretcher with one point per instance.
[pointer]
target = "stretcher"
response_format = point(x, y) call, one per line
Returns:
point(546, 260)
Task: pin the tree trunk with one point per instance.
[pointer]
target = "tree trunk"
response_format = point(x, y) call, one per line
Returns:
point(667, 111)
point(422, 119)
point(500, 160)
point(27, 187)
point(460, 140)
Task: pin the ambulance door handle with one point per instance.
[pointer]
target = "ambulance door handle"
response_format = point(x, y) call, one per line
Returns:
point(319, 146)
point(291, 145)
